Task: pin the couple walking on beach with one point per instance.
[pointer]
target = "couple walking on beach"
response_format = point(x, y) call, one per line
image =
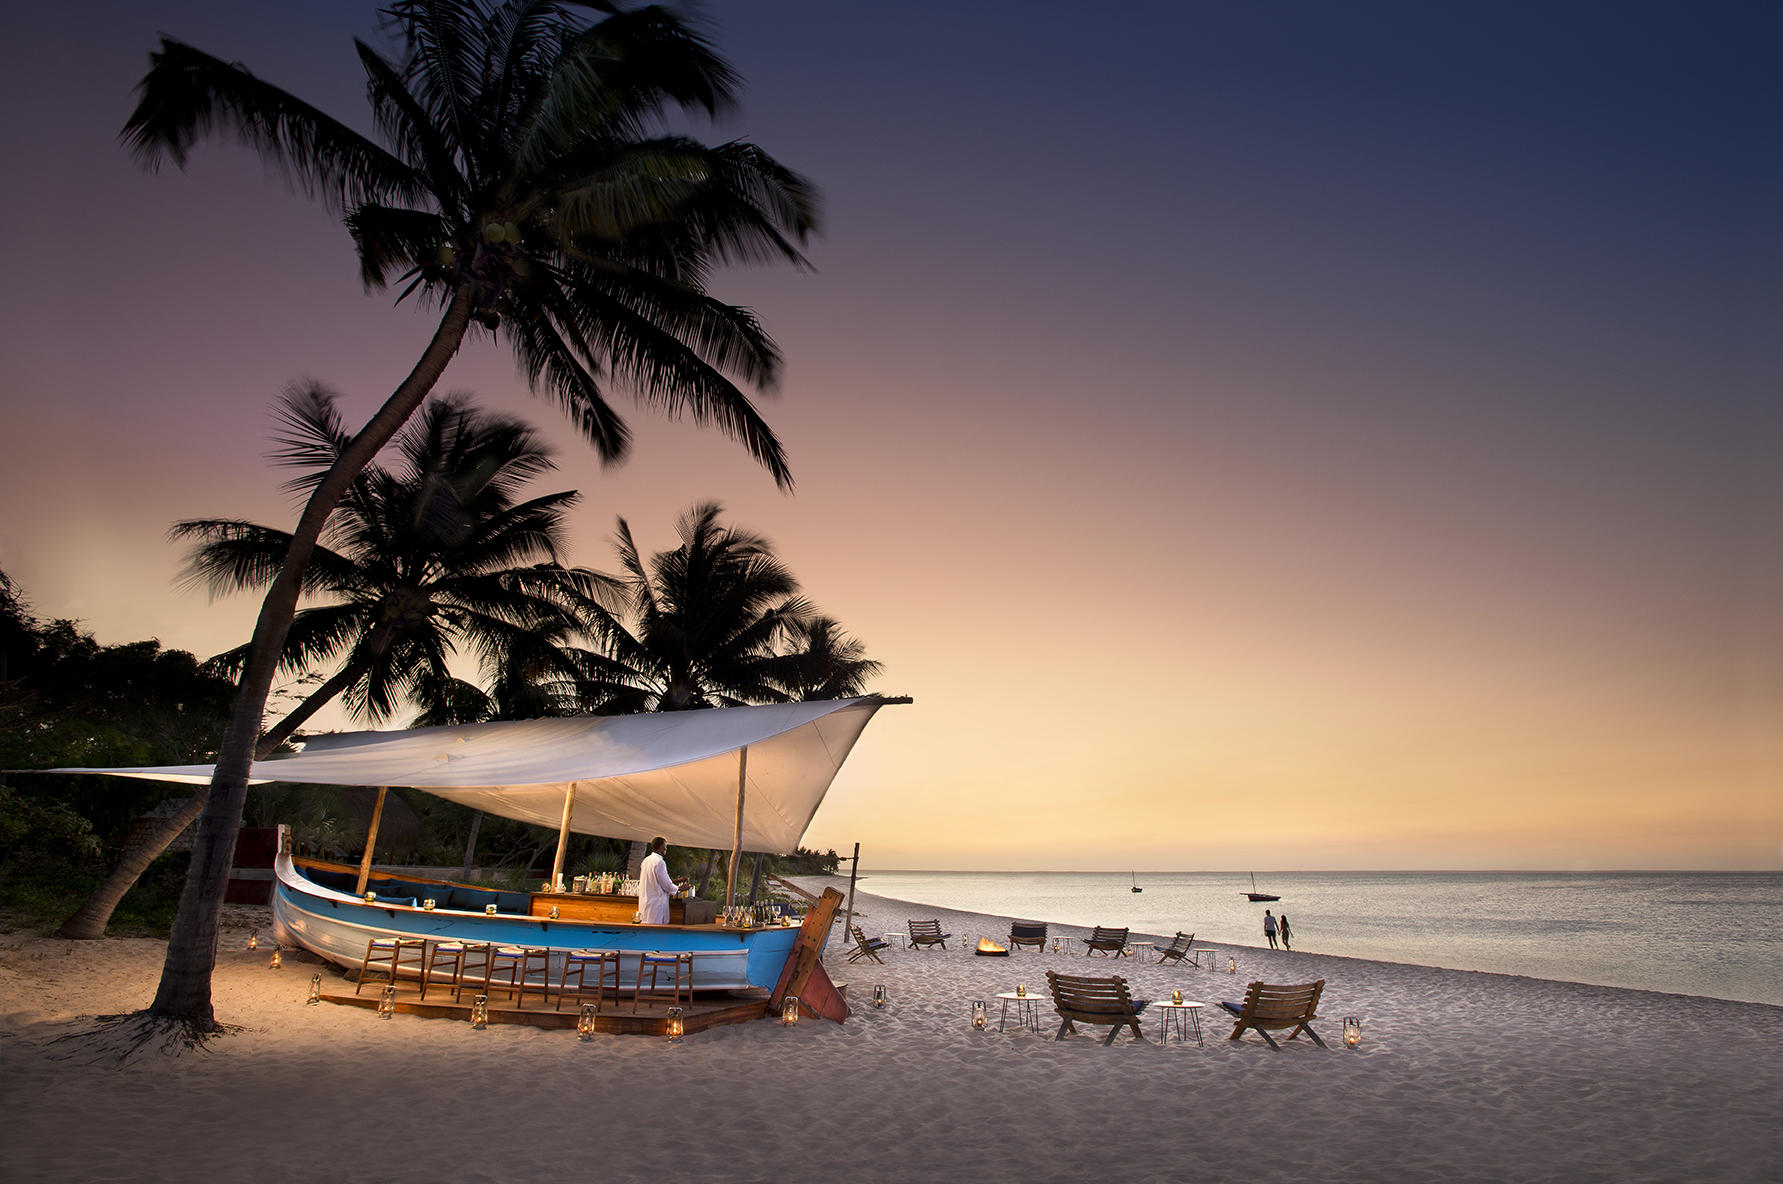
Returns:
point(1273, 925)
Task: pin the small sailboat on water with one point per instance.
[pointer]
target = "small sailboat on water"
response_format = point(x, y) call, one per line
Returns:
point(1136, 886)
point(1255, 895)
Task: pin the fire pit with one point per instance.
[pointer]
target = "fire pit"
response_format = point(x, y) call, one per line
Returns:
point(990, 949)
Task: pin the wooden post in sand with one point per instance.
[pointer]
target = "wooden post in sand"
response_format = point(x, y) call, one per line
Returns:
point(730, 875)
point(563, 838)
point(853, 871)
point(371, 838)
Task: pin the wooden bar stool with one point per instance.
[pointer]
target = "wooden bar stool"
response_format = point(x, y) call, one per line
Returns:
point(517, 963)
point(681, 967)
point(473, 968)
point(391, 955)
point(577, 964)
point(442, 955)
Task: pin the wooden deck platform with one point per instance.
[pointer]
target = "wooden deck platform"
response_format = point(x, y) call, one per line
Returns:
point(651, 1018)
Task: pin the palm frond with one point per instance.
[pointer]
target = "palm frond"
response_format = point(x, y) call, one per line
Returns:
point(188, 94)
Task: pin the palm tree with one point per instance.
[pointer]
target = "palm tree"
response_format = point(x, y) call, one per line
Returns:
point(426, 559)
point(702, 622)
point(526, 189)
point(826, 662)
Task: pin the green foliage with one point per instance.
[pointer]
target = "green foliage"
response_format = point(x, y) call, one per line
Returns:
point(66, 700)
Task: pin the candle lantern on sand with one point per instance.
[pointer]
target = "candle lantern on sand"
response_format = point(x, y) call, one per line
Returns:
point(254, 940)
point(315, 989)
point(480, 1012)
point(675, 1025)
point(585, 1022)
point(878, 994)
point(1231, 965)
point(1352, 1031)
point(789, 1010)
point(387, 1003)
point(1055, 945)
point(276, 961)
point(978, 1014)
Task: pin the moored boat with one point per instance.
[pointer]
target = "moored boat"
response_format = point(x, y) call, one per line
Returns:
point(1259, 896)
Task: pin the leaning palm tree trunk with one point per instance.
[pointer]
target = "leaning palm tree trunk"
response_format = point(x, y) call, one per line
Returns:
point(184, 994)
point(89, 921)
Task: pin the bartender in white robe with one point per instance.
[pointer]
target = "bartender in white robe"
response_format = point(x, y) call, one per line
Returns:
point(655, 886)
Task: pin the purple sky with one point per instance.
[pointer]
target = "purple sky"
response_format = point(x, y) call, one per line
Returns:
point(1372, 411)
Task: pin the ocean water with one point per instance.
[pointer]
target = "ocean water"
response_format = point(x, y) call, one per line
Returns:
point(1689, 933)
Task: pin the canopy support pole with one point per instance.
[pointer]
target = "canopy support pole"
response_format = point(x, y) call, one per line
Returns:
point(730, 875)
point(563, 839)
point(854, 869)
point(371, 838)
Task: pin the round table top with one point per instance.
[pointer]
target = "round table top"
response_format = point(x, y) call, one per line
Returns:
point(1013, 995)
point(1185, 1004)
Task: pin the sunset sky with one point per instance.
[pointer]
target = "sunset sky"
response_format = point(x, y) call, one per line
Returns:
point(1258, 436)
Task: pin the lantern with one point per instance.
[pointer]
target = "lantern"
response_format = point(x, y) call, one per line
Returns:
point(489, 909)
point(585, 1022)
point(275, 961)
point(789, 1010)
point(553, 913)
point(637, 918)
point(428, 904)
point(315, 989)
point(387, 1003)
point(1055, 945)
point(1352, 1031)
point(978, 1014)
point(1231, 965)
point(254, 940)
point(1176, 998)
point(480, 1012)
point(370, 897)
point(879, 996)
point(1021, 990)
point(674, 1027)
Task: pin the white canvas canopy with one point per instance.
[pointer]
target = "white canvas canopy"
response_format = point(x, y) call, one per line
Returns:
point(626, 776)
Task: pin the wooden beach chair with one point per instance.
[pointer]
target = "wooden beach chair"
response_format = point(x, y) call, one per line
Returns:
point(1269, 1007)
point(1082, 1000)
point(1179, 951)
point(866, 947)
point(1106, 941)
point(1027, 933)
point(928, 933)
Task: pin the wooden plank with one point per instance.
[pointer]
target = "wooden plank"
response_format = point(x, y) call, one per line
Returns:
point(807, 953)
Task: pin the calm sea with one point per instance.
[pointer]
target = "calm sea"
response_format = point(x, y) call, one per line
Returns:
point(1690, 933)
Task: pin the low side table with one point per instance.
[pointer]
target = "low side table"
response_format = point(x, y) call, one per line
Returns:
point(1025, 1015)
point(1172, 1014)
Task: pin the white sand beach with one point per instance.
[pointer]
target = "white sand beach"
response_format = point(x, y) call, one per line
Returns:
point(1460, 1077)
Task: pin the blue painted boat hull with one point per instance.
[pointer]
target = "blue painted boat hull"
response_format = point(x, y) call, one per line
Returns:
point(336, 926)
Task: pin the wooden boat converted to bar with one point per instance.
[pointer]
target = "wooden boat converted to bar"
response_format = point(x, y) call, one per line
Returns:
point(314, 906)
point(743, 778)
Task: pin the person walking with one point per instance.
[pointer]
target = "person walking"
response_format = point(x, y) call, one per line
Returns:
point(1269, 927)
point(1282, 924)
